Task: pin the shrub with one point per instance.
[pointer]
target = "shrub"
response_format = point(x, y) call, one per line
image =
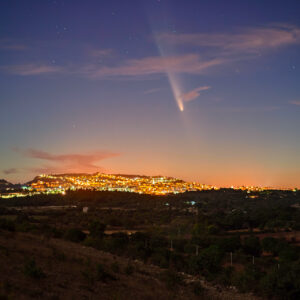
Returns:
point(92, 242)
point(213, 229)
point(252, 246)
point(270, 244)
point(103, 275)
point(197, 288)
point(284, 282)
point(50, 231)
point(288, 254)
point(161, 257)
point(210, 259)
point(115, 267)
point(7, 225)
point(88, 275)
point(75, 235)
point(129, 269)
point(97, 229)
point(59, 255)
point(226, 276)
point(32, 270)
point(248, 280)
point(172, 279)
point(230, 244)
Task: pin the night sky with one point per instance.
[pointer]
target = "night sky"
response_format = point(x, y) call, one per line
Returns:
point(206, 91)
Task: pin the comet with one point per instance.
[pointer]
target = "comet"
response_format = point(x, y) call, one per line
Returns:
point(173, 80)
point(176, 90)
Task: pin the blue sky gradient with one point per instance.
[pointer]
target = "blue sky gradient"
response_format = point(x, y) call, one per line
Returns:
point(202, 90)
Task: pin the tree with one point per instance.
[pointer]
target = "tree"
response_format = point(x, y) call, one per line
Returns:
point(252, 246)
point(75, 235)
point(270, 244)
point(230, 244)
point(209, 260)
point(96, 229)
point(284, 282)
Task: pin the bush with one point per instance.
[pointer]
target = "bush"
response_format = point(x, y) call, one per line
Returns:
point(88, 275)
point(120, 240)
point(230, 244)
point(172, 279)
point(50, 231)
point(270, 244)
point(92, 242)
point(129, 269)
point(252, 246)
point(161, 257)
point(57, 254)
point(288, 254)
point(213, 229)
point(75, 235)
point(248, 280)
point(32, 270)
point(25, 227)
point(103, 275)
point(115, 267)
point(197, 288)
point(226, 276)
point(210, 259)
point(97, 229)
point(7, 225)
point(283, 282)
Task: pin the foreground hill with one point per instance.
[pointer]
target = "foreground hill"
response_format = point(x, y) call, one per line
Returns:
point(35, 267)
point(85, 244)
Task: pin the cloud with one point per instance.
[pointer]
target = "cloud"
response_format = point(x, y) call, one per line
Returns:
point(188, 63)
point(151, 91)
point(216, 49)
point(32, 69)
point(246, 41)
point(254, 109)
point(100, 52)
point(193, 94)
point(296, 102)
point(11, 171)
point(67, 162)
point(8, 44)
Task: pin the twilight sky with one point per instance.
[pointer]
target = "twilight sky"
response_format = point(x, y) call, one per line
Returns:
point(206, 91)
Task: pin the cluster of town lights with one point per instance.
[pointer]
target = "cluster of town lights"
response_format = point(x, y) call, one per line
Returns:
point(153, 185)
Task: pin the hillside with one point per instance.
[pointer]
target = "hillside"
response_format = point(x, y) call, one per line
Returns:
point(6, 186)
point(35, 267)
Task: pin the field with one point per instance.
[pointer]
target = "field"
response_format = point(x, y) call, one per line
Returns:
point(109, 245)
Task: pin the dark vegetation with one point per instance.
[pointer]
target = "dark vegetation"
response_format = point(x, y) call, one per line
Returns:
point(230, 238)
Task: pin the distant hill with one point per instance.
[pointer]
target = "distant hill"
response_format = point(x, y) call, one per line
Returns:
point(7, 186)
point(4, 182)
point(93, 174)
point(45, 179)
